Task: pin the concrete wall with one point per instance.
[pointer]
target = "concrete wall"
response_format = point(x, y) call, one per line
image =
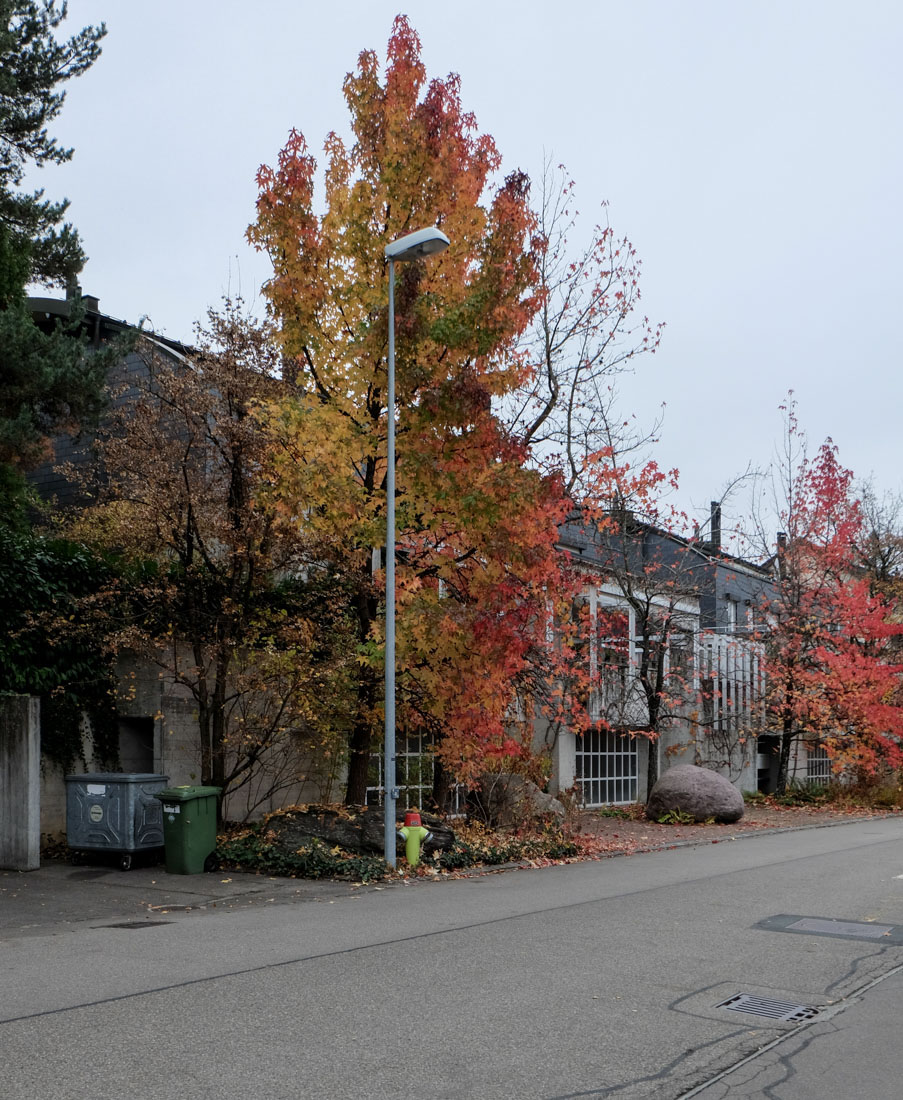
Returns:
point(20, 770)
point(159, 734)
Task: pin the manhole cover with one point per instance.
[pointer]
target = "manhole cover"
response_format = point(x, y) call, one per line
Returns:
point(842, 928)
point(764, 1006)
point(890, 935)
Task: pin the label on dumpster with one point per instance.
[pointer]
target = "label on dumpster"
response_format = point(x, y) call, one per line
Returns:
point(95, 812)
point(95, 788)
point(171, 809)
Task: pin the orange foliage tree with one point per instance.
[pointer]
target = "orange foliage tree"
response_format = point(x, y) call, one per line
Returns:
point(478, 572)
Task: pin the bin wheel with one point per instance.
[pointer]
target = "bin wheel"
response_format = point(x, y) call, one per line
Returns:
point(125, 861)
point(210, 862)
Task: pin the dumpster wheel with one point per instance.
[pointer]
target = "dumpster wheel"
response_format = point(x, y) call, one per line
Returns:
point(125, 861)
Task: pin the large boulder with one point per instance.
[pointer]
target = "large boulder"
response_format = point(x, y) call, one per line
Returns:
point(704, 794)
point(505, 798)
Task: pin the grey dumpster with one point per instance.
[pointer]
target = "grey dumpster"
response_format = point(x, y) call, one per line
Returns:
point(114, 812)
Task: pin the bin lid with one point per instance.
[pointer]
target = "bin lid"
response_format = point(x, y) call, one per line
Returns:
point(185, 794)
point(117, 777)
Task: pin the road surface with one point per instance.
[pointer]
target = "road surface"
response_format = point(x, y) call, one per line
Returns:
point(600, 979)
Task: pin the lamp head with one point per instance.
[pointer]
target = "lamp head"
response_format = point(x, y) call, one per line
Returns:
point(415, 245)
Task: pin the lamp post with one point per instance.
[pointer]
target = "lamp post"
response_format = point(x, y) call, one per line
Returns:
point(411, 247)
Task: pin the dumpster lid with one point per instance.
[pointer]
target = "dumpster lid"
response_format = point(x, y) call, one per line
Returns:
point(184, 794)
point(117, 777)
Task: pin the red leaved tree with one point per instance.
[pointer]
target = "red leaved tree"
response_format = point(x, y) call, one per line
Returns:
point(830, 669)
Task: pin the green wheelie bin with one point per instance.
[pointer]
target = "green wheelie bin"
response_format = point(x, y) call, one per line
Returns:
point(189, 827)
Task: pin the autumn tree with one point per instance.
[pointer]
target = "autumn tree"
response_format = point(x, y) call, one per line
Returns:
point(477, 526)
point(49, 381)
point(879, 546)
point(236, 609)
point(586, 331)
point(830, 671)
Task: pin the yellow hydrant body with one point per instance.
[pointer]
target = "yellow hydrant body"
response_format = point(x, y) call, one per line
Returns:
point(414, 835)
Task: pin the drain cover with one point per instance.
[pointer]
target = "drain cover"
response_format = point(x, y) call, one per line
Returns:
point(842, 928)
point(773, 1010)
point(133, 924)
point(890, 935)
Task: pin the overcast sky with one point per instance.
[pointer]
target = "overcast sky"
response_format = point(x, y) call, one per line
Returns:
point(751, 151)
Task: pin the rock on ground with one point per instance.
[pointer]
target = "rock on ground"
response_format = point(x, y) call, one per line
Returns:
point(704, 794)
point(355, 830)
point(508, 799)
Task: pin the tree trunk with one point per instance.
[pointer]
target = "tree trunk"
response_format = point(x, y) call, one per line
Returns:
point(652, 766)
point(442, 786)
point(359, 753)
point(360, 740)
point(653, 706)
point(784, 761)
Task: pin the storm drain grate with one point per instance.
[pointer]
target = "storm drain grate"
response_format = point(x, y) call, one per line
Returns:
point(773, 1010)
point(132, 925)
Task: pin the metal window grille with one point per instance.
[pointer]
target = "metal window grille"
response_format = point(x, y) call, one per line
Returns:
point(731, 676)
point(818, 765)
point(414, 765)
point(606, 768)
point(610, 662)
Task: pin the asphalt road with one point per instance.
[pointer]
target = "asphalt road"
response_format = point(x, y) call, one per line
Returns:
point(591, 980)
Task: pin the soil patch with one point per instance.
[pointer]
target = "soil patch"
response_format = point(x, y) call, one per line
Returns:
point(600, 835)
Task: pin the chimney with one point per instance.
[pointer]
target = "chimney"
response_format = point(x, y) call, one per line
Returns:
point(782, 554)
point(716, 526)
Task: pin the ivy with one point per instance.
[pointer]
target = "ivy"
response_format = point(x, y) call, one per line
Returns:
point(251, 852)
point(474, 846)
point(50, 647)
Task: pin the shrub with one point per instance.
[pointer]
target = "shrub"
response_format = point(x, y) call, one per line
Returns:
point(475, 845)
point(806, 792)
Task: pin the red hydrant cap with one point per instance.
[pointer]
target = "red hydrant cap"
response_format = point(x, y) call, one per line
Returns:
point(412, 817)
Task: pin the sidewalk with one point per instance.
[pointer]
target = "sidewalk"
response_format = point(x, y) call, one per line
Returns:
point(60, 897)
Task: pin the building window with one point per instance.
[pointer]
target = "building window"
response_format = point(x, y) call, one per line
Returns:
point(680, 658)
point(414, 764)
point(818, 765)
point(612, 653)
point(606, 768)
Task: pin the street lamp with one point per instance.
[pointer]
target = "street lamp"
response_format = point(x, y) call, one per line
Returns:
point(414, 246)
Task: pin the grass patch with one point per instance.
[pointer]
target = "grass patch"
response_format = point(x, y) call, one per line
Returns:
point(807, 792)
point(633, 812)
point(678, 817)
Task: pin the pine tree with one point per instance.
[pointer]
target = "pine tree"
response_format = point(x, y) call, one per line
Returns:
point(49, 382)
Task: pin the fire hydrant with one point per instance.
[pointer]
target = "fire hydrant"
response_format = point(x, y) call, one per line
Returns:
point(414, 834)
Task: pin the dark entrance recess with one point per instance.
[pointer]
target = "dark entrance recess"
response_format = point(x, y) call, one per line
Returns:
point(136, 744)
